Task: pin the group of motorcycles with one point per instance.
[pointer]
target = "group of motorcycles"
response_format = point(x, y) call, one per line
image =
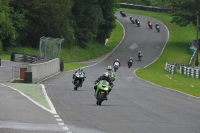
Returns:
point(102, 87)
point(137, 22)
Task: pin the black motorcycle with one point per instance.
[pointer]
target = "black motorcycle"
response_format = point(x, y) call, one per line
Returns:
point(132, 20)
point(137, 22)
point(130, 62)
point(78, 79)
point(158, 28)
point(123, 14)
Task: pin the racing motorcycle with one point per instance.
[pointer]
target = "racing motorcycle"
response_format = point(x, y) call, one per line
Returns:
point(132, 20)
point(102, 90)
point(130, 62)
point(150, 25)
point(78, 79)
point(158, 28)
point(137, 22)
point(123, 14)
point(140, 57)
point(116, 66)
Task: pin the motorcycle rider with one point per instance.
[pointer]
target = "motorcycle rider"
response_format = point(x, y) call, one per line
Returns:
point(116, 62)
point(130, 60)
point(80, 70)
point(131, 19)
point(136, 20)
point(139, 55)
point(149, 24)
point(156, 25)
point(106, 77)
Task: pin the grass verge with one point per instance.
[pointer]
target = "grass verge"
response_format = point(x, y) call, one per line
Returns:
point(34, 91)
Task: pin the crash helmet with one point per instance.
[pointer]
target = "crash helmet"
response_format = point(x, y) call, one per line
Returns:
point(156, 23)
point(139, 51)
point(117, 59)
point(109, 68)
point(130, 58)
point(130, 17)
point(80, 69)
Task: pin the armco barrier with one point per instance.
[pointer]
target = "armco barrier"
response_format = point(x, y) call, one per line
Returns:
point(41, 71)
point(142, 7)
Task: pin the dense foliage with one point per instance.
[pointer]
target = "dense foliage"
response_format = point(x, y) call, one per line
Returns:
point(77, 21)
point(185, 11)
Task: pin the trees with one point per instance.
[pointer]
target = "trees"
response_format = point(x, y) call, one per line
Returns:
point(77, 21)
point(45, 18)
point(184, 11)
point(10, 23)
point(108, 8)
point(86, 16)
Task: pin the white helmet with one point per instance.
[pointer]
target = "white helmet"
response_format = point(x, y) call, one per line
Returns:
point(117, 59)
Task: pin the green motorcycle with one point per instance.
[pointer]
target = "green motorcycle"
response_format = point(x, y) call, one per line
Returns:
point(102, 90)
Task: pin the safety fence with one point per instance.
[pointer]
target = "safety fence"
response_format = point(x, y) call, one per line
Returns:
point(142, 7)
point(187, 70)
point(193, 72)
point(170, 68)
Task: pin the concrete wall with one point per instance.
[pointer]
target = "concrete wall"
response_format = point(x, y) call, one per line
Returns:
point(41, 71)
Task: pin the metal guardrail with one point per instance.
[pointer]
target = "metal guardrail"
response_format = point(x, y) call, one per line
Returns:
point(142, 7)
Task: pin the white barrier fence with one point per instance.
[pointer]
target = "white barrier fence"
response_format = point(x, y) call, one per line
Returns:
point(193, 72)
point(170, 68)
point(41, 71)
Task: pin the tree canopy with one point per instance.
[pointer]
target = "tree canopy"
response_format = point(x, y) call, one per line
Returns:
point(77, 21)
point(185, 11)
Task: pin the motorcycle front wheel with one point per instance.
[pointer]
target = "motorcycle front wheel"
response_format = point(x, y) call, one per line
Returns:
point(100, 98)
point(76, 85)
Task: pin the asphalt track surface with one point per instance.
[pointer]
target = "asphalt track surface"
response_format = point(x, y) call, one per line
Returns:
point(134, 105)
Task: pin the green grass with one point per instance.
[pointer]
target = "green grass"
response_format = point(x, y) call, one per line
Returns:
point(34, 91)
point(73, 66)
point(177, 51)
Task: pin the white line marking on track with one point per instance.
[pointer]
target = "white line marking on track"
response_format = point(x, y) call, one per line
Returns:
point(65, 128)
point(61, 124)
point(59, 119)
point(56, 116)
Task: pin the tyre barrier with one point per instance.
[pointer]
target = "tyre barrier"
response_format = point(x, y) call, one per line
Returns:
point(170, 68)
point(193, 72)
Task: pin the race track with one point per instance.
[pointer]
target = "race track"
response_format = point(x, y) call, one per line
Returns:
point(134, 105)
